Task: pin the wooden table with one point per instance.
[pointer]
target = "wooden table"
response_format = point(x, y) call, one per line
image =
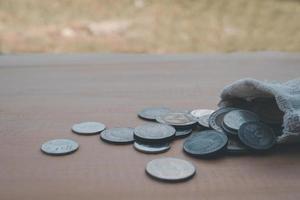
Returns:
point(42, 96)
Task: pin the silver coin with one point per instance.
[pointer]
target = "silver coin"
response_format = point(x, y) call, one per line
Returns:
point(118, 135)
point(178, 119)
point(154, 132)
point(257, 135)
point(170, 169)
point(88, 128)
point(204, 120)
point(151, 148)
point(59, 147)
point(216, 118)
point(205, 143)
point(234, 119)
point(228, 130)
point(198, 113)
point(183, 132)
point(152, 113)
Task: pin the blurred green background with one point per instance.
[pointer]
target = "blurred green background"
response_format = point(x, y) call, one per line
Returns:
point(154, 26)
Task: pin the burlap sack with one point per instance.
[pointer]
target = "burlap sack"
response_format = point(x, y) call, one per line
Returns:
point(287, 96)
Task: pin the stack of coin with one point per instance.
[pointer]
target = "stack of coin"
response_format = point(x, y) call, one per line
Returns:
point(243, 127)
point(183, 122)
point(153, 137)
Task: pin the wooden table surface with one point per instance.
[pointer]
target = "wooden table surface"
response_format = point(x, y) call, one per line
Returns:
point(42, 96)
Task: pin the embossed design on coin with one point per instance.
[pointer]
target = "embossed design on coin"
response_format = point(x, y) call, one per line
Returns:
point(204, 143)
point(153, 113)
point(118, 135)
point(154, 132)
point(234, 119)
point(59, 147)
point(151, 148)
point(88, 128)
point(170, 169)
point(257, 136)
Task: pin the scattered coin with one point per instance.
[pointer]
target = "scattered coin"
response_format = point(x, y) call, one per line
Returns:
point(216, 118)
point(238, 120)
point(88, 128)
point(235, 118)
point(151, 148)
point(229, 131)
point(235, 146)
point(204, 121)
point(170, 169)
point(183, 132)
point(257, 136)
point(59, 147)
point(205, 143)
point(153, 113)
point(118, 135)
point(198, 113)
point(154, 132)
point(178, 119)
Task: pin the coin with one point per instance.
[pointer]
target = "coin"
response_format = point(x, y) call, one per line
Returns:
point(152, 113)
point(235, 146)
point(154, 132)
point(198, 113)
point(216, 118)
point(59, 147)
point(183, 132)
point(205, 143)
point(235, 118)
point(257, 136)
point(151, 148)
point(204, 121)
point(118, 135)
point(229, 131)
point(88, 128)
point(178, 119)
point(170, 169)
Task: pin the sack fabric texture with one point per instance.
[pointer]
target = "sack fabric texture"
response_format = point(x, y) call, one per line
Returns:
point(287, 96)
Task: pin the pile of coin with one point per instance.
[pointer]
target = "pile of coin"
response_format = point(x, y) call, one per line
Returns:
point(238, 126)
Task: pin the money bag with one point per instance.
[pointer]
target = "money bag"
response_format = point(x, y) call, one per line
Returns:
point(276, 101)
